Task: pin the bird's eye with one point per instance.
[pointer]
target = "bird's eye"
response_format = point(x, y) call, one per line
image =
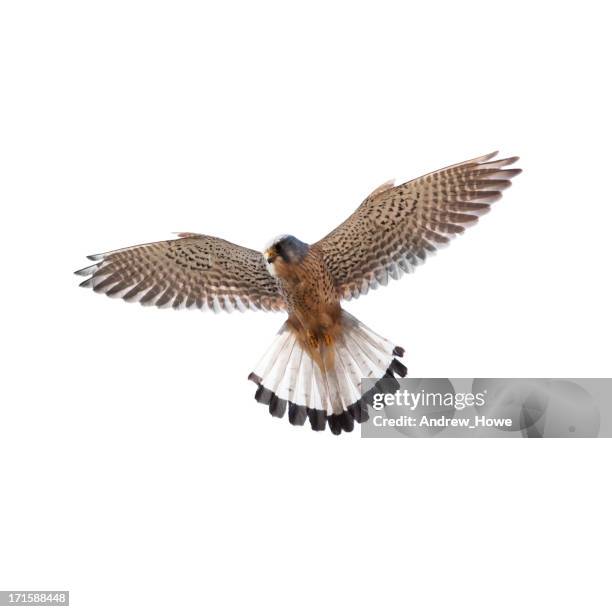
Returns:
point(280, 251)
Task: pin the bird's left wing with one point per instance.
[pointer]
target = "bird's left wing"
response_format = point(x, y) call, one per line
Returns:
point(396, 228)
point(194, 271)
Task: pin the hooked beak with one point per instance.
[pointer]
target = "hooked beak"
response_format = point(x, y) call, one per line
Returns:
point(270, 255)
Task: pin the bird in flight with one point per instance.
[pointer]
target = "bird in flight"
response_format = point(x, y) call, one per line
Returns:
point(314, 369)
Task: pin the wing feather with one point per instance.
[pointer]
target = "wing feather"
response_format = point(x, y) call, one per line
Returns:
point(192, 271)
point(397, 228)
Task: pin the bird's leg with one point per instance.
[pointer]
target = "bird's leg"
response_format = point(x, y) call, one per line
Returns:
point(312, 340)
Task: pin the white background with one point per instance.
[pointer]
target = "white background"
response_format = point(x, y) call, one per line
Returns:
point(135, 464)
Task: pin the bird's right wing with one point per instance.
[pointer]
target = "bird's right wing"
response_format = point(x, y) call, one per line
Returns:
point(194, 271)
point(396, 228)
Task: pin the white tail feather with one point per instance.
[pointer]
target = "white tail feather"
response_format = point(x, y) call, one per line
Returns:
point(289, 377)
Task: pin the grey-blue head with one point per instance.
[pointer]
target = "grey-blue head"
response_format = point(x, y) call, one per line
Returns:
point(287, 248)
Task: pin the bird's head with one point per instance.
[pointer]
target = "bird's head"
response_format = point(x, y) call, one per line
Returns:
point(284, 252)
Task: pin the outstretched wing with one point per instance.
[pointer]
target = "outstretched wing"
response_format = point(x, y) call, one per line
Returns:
point(396, 228)
point(194, 271)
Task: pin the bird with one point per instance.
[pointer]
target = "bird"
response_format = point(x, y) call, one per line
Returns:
point(317, 367)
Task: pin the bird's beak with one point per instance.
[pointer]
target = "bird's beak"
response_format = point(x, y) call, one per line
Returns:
point(270, 255)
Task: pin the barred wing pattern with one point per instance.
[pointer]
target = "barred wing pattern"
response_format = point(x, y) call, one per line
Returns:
point(396, 228)
point(194, 271)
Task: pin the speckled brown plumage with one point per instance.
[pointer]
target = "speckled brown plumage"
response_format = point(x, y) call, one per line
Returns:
point(396, 228)
point(194, 271)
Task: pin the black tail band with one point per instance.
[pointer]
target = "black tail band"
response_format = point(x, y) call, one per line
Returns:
point(344, 421)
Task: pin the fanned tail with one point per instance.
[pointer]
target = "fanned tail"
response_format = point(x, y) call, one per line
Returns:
point(327, 390)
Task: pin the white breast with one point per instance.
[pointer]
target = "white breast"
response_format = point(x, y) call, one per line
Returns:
point(271, 268)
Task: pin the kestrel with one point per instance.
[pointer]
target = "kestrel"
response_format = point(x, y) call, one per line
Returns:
point(314, 368)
